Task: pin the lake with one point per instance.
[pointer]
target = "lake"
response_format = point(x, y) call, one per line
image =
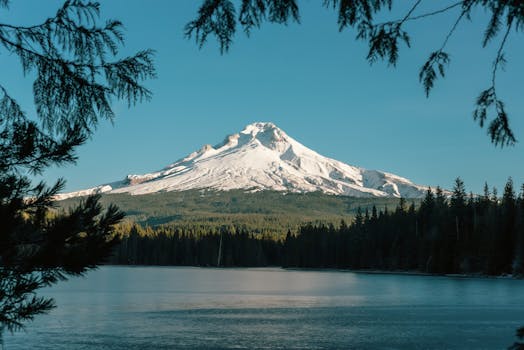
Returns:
point(209, 308)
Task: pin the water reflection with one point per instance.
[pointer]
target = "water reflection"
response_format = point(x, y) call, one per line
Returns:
point(150, 307)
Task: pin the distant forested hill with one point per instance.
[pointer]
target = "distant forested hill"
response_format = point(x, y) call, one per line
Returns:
point(259, 212)
point(453, 234)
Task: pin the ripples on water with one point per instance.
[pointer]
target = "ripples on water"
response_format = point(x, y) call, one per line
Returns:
point(188, 308)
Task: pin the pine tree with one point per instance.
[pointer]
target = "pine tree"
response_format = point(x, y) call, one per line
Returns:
point(440, 198)
point(72, 59)
point(486, 195)
point(507, 233)
point(401, 205)
point(429, 199)
point(458, 198)
point(494, 195)
point(458, 205)
point(374, 213)
point(518, 264)
point(359, 219)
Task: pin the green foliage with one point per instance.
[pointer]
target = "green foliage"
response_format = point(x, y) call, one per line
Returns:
point(38, 251)
point(456, 234)
point(383, 41)
point(480, 235)
point(76, 73)
point(219, 18)
point(259, 212)
point(428, 75)
point(499, 128)
point(227, 246)
point(350, 13)
point(518, 345)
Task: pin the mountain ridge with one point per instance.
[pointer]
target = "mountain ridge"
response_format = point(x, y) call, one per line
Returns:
point(262, 157)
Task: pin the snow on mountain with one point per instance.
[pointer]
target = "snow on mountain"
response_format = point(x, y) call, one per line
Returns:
point(262, 157)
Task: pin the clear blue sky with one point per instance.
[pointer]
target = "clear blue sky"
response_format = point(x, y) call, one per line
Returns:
point(310, 80)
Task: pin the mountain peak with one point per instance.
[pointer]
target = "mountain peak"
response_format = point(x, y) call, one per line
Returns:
point(264, 157)
point(268, 135)
point(257, 127)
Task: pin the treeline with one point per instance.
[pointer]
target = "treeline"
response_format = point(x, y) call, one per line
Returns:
point(447, 233)
point(459, 233)
point(229, 246)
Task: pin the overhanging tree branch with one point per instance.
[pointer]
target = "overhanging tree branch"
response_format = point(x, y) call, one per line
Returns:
point(218, 17)
point(499, 130)
point(76, 76)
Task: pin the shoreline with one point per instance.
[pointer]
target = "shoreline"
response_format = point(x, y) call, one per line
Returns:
point(408, 273)
point(315, 269)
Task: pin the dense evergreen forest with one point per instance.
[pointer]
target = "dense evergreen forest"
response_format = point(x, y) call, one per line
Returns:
point(456, 233)
point(263, 212)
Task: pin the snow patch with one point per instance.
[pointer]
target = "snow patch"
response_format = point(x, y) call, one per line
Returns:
point(263, 157)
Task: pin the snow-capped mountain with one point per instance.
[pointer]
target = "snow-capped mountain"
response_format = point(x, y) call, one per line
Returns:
point(262, 157)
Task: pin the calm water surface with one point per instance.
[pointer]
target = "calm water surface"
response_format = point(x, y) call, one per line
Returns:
point(192, 308)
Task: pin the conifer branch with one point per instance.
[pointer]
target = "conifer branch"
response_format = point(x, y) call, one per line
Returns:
point(77, 75)
point(383, 38)
point(439, 58)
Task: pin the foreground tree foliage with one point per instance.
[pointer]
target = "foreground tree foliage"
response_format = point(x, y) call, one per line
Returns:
point(518, 345)
point(72, 62)
point(220, 18)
